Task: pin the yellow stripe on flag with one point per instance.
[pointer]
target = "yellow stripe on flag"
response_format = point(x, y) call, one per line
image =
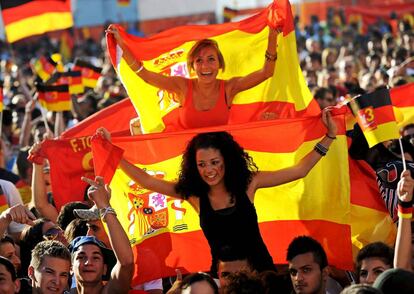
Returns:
point(383, 132)
point(38, 24)
point(57, 106)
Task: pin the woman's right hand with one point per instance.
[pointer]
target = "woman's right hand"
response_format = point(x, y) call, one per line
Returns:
point(34, 154)
point(104, 133)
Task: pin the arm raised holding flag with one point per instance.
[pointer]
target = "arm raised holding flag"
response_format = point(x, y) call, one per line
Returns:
point(216, 175)
point(205, 100)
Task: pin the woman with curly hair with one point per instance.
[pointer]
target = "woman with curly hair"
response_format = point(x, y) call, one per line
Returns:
point(219, 179)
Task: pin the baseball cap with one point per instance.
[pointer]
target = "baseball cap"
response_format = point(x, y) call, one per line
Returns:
point(83, 240)
point(87, 214)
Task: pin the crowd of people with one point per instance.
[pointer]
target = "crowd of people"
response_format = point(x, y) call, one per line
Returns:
point(83, 249)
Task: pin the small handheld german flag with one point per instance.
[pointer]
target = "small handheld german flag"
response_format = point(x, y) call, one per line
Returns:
point(90, 73)
point(54, 98)
point(73, 79)
point(375, 116)
point(44, 67)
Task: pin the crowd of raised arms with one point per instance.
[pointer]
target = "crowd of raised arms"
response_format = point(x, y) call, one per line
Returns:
point(83, 248)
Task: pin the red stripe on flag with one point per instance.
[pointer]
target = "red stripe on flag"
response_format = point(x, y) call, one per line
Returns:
point(403, 96)
point(281, 139)
point(364, 188)
point(149, 48)
point(158, 256)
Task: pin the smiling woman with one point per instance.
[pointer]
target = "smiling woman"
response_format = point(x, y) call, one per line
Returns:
point(219, 179)
point(205, 101)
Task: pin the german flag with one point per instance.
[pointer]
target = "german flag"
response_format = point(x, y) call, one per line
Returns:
point(375, 116)
point(25, 18)
point(73, 79)
point(44, 67)
point(90, 73)
point(1, 96)
point(54, 98)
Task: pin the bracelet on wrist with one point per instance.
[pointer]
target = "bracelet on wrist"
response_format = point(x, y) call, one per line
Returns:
point(330, 137)
point(320, 149)
point(140, 68)
point(270, 57)
point(405, 212)
point(405, 204)
point(103, 212)
point(131, 65)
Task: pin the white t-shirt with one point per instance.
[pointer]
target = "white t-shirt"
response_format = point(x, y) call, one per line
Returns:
point(13, 198)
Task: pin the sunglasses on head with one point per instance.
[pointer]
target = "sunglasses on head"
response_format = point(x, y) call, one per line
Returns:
point(52, 233)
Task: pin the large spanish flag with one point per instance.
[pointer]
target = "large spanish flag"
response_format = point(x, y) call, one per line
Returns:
point(375, 116)
point(25, 18)
point(165, 232)
point(243, 45)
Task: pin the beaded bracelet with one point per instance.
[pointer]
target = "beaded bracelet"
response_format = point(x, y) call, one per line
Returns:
point(270, 57)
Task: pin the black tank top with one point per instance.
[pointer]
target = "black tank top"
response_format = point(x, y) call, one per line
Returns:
point(235, 227)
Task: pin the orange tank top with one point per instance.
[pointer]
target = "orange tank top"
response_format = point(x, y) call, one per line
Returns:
point(191, 118)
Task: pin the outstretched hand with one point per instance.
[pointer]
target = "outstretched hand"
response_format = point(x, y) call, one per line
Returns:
point(114, 30)
point(329, 122)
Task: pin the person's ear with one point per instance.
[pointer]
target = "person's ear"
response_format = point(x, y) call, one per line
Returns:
point(105, 269)
point(325, 273)
point(17, 286)
point(30, 273)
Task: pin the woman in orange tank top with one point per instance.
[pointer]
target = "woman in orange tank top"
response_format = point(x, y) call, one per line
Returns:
point(205, 101)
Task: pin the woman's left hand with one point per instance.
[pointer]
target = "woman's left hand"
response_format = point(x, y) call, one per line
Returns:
point(329, 122)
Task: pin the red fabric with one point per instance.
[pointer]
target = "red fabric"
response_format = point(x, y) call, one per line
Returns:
point(371, 13)
point(70, 157)
point(153, 46)
point(114, 118)
point(191, 118)
point(403, 96)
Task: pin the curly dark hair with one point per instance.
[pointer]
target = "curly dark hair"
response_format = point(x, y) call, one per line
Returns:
point(240, 167)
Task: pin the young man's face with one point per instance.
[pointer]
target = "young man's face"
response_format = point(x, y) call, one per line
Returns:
point(306, 275)
point(52, 276)
point(88, 264)
point(7, 286)
point(7, 250)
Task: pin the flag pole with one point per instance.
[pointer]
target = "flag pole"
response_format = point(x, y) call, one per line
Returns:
point(402, 154)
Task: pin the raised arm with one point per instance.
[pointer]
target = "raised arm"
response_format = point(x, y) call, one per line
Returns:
point(177, 85)
point(238, 84)
point(39, 193)
point(403, 246)
point(274, 178)
point(141, 177)
point(123, 270)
